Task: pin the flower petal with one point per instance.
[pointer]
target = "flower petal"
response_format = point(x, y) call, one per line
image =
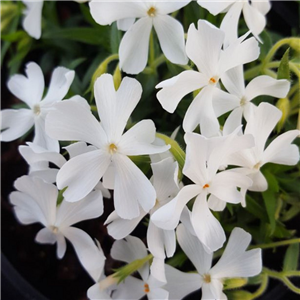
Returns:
point(215, 7)
point(207, 228)
point(96, 293)
point(215, 203)
point(174, 89)
point(236, 261)
point(91, 258)
point(171, 38)
point(125, 24)
point(209, 39)
point(280, 151)
point(167, 217)
point(132, 188)
point(45, 236)
point(15, 123)
point(133, 51)
point(130, 288)
point(60, 83)
point(78, 148)
point(70, 122)
point(157, 269)
point(29, 89)
point(233, 81)
point(266, 85)
point(104, 12)
point(233, 121)
point(82, 173)
point(166, 8)
point(194, 250)
point(32, 21)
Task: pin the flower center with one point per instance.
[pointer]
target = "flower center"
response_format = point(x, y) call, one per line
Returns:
point(205, 186)
point(243, 101)
point(54, 229)
point(146, 288)
point(207, 278)
point(151, 12)
point(213, 80)
point(257, 166)
point(37, 109)
point(112, 148)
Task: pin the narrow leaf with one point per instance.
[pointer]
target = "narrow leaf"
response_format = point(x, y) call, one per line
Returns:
point(291, 258)
point(283, 69)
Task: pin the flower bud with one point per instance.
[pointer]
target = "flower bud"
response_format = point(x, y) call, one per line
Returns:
point(284, 105)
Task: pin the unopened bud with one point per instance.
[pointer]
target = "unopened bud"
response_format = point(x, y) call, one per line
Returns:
point(233, 283)
point(117, 77)
point(295, 43)
point(284, 105)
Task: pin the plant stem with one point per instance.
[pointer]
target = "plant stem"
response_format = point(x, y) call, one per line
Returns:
point(152, 50)
point(262, 288)
point(276, 244)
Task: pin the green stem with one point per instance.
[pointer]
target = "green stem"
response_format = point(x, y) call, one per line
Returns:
point(276, 244)
point(157, 62)
point(293, 67)
point(262, 288)
point(152, 49)
point(253, 72)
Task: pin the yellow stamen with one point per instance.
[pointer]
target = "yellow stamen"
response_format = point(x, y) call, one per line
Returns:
point(243, 101)
point(213, 80)
point(151, 12)
point(112, 148)
point(54, 229)
point(146, 288)
point(207, 278)
point(205, 186)
point(37, 109)
point(257, 166)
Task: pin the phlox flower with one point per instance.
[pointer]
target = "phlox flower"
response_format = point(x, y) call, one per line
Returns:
point(133, 51)
point(32, 21)
point(233, 81)
point(204, 48)
point(254, 14)
point(35, 201)
point(127, 251)
point(204, 157)
point(165, 182)
point(30, 89)
point(235, 262)
point(261, 122)
point(71, 121)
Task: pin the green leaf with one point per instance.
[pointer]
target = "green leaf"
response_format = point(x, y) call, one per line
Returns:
point(177, 260)
point(270, 201)
point(291, 258)
point(256, 209)
point(239, 295)
point(115, 38)
point(272, 181)
point(283, 69)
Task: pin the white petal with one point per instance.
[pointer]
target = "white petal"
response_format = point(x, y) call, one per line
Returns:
point(201, 112)
point(280, 151)
point(230, 23)
point(169, 7)
point(181, 284)
point(70, 122)
point(41, 138)
point(170, 242)
point(82, 173)
point(260, 183)
point(104, 12)
point(262, 5)
point(133, 51)
point(261, 123)
point(266, 85)
point(171, 38)
point(174, 89)
point(32, 22)
point(91, 258)
point(254, 19)
point(29, 89)
point(88, 208)
point(132, 188)
point(157, 269)
point(45, 236)
point(125, 24)
point(105, 192)
point(47, 175)
point(120, 228)
point(155, 241)
point(210, 40)
point(167, 217)
point(96, 293)
point(238, 53)
point(233, 121)
point(165, 178)
point(44, 194)
point(129, 250)
point(216, 204)
point(215, 7)
point(236, 261)
point(233, 81)
point(207, 228)
point(109, 178)
point(60, 83)
point(78, 148)
point(130, 288)
point(158, 293)
point(61, 245)
point(15, 123)
point(194, 250)
point(114, 107)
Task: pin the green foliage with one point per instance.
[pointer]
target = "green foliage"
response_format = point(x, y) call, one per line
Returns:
point(291, 258)
point(284, 69)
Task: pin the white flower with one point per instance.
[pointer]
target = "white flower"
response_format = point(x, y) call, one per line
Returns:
point(32, 22)
point(35, 201)
point(70, 121)
point(165, 182)
point(233, 81)
point(203, 160)
point(260, 124)
point(134, 46)
point(134, 288)
point(30, 89)
point(235, 262)
point(254, 14)
point(204, 48)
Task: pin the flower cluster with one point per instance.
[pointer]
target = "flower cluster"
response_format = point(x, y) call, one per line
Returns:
point(225, 133)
